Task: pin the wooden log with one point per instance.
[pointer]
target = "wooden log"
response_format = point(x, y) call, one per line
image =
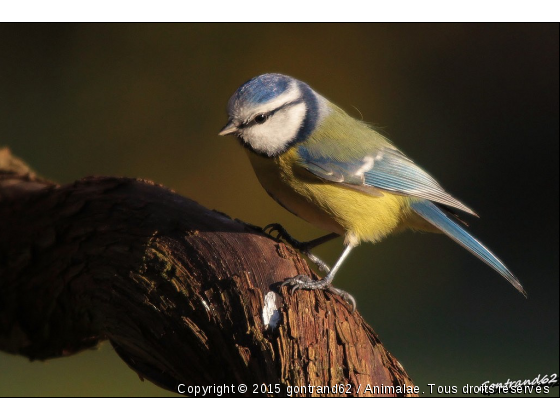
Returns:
point(185, 295)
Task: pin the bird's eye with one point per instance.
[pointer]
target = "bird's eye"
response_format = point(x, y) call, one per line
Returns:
point(261, 118)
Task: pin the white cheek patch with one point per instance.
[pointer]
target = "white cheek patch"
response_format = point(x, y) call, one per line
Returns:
point(280, 129)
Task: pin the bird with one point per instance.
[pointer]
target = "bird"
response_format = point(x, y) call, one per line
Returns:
point(340, 174)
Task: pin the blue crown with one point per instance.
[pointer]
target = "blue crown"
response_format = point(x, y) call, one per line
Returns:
point(262, 89)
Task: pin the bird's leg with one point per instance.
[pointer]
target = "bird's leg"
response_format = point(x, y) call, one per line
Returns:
point(304, 282)
point(303, 247)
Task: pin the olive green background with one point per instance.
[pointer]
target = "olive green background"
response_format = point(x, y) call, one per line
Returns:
point(476, 105)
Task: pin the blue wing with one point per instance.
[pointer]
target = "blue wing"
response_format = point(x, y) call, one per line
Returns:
point(437, 217)
point(383, 169)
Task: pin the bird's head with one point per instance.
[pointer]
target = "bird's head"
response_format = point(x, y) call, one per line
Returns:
point(271, 112)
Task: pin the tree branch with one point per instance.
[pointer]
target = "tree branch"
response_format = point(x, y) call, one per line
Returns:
point(178, 289)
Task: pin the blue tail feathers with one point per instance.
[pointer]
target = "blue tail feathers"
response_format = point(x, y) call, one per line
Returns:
point(437, 217)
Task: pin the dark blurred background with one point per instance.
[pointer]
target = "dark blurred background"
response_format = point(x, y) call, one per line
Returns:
point(475, 104)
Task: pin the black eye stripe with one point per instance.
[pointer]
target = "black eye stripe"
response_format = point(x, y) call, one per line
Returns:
point(258, 119)
point(268, 114)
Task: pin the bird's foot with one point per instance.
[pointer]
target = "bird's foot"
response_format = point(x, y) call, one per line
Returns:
point(304, 282)
point(348, 298)
point(282, 234)
point(303, 247)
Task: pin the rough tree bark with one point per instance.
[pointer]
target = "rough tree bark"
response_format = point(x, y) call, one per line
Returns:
point(179, 290)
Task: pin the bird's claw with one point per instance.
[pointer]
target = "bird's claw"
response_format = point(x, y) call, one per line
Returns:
point(303, 247)
point(282, 234)
point(303, 282)
point(298, 282)
point(348, 298)
point(271, 227)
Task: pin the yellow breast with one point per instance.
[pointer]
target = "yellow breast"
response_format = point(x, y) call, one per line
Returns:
point(330, 206)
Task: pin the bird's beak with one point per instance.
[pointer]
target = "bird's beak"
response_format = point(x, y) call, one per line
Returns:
point(230, 128)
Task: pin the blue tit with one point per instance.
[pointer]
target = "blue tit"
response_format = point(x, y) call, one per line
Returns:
point(339, 174)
